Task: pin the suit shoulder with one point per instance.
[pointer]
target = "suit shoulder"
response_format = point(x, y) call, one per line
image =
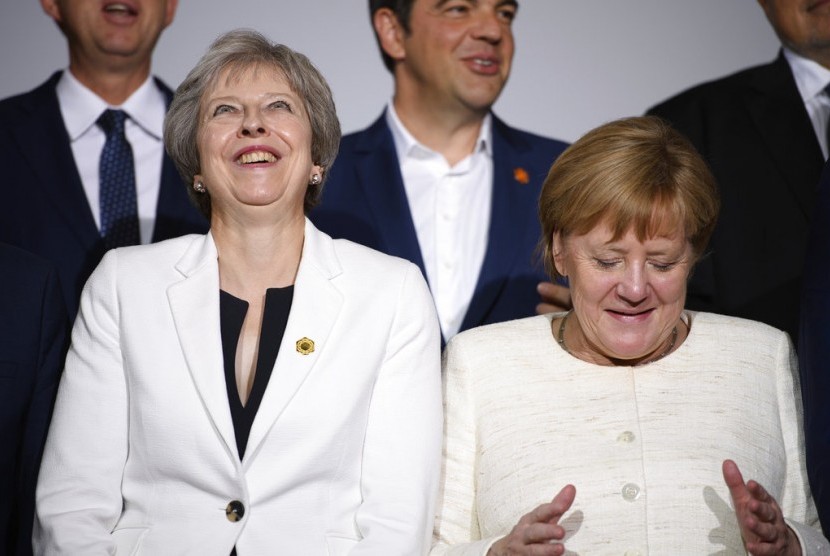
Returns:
point(152, 255)
point(26, 267)
point(356, 256)
point(355, 136)
point(375, 277)
point(540, 141)
point(507, 333)
point(535, 142)
point(12, 107)
point(750, 332)
point(376, 132)
point(716, 91)
point(29, 292)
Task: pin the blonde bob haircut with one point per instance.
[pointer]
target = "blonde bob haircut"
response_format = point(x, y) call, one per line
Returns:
point(632, 174)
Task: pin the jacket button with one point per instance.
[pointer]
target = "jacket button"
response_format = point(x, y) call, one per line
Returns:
point(630, 492)
point(235, 510)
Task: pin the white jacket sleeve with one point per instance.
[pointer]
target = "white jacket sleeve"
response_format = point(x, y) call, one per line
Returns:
point(456, 523)
point(79, 487)
point(402, 450)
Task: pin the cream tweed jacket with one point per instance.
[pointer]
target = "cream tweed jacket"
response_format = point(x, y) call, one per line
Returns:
point(643, 445)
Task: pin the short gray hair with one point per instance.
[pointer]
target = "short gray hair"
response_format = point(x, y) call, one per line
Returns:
point(239, 50)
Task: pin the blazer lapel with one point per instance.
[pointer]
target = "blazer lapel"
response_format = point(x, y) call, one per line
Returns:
point(194, 303)
point(45, 147)
point(379, 175)
point(777, 109)
point(507, 221)
point(314, 311)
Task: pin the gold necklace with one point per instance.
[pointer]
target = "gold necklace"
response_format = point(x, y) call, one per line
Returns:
point(560, 339)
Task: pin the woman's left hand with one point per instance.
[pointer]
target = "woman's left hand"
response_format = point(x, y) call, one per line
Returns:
point(759, 516)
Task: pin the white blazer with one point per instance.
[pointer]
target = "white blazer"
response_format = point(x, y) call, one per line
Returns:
point(344, 453)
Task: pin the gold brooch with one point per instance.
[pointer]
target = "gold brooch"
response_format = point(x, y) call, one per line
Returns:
point(305, 345)
point(521, 176)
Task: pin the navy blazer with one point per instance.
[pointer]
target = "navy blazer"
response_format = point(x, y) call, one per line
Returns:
point(364, 200)
point(814, 352)
point(753, 130)
point(33, 338)
point(44, 207)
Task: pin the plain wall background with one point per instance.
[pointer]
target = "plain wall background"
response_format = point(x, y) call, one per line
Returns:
point(578, 63)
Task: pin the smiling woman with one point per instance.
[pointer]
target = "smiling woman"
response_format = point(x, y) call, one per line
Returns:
point(624, 218)
point(643, 411)
point(242, 164)
point(263, 388)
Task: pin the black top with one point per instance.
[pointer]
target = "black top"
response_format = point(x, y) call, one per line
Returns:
point(232, 311)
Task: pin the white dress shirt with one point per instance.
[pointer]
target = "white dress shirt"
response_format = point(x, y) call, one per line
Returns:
point(146, 107)
point(811, 78)
point(450, 207)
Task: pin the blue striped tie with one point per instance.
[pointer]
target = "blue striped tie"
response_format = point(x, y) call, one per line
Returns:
point(119, 212)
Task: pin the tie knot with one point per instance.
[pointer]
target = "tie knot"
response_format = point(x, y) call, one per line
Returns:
point(112, 121)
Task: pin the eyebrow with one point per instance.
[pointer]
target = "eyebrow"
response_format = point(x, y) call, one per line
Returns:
point(441, 3)
point(265, 96)
point(610, 246)
point(513, 3)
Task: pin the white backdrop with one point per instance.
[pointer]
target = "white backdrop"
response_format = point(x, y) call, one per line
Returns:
point(578, 62)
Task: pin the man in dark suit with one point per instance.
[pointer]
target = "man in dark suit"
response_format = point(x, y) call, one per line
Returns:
point(763, 132)
point(50, 145)
point(33, 338)
point(438, 179)
point(814, 352)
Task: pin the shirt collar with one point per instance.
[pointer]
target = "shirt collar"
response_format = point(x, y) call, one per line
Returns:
point(406, 144)
point(81, 108)
point(810, 77)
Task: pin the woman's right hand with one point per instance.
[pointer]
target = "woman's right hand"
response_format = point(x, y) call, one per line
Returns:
point(537, 532)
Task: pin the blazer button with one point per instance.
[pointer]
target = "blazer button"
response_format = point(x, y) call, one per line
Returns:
point(235, 510)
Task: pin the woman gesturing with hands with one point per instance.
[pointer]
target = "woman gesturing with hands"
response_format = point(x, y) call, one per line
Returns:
point(538, 532)
point(629, 397)
point(759, 516)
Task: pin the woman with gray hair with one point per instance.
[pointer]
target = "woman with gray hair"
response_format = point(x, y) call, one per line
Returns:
point(261, 389)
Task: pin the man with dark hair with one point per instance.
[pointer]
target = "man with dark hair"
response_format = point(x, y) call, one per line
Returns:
point(440, 180)
point(84, 164)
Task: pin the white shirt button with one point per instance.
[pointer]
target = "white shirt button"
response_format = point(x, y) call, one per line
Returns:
point(632, 553)
point(630, 492)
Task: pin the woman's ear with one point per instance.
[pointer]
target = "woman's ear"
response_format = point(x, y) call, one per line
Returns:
point(557, 253)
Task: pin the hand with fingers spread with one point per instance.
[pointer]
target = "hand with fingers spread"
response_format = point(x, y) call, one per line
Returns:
point(760, 518)
point(555, 298)
point(538, 532)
